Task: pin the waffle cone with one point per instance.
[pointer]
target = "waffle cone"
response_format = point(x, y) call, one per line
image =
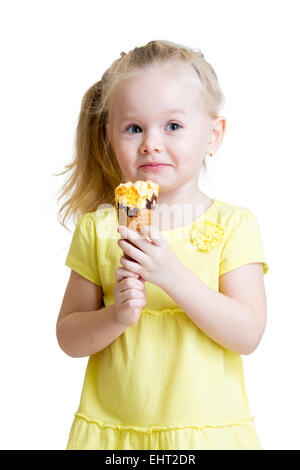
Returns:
point(143, 217)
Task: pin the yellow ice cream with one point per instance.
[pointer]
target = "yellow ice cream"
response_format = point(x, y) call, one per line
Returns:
point(135, 194)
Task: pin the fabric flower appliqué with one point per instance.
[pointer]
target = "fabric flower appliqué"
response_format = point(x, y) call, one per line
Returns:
point(206, 235)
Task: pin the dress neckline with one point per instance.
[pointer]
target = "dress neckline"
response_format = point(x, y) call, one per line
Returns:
point(205, 214)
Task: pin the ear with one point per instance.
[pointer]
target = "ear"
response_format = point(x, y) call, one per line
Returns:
point(217, 133)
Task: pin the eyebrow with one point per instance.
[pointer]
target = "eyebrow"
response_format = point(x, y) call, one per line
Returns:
point(175, 111)
point(170, 111)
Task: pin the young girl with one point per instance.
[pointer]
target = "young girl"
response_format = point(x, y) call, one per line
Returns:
point(164, 331)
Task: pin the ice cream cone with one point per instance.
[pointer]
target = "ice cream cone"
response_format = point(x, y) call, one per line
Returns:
point(135, 223)
point(135, 203)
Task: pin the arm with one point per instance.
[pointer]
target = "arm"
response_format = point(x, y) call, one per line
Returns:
point(84, 328)
point(236, 320)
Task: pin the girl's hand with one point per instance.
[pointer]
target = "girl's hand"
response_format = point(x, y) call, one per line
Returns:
point(154, 260)
point(130, 297)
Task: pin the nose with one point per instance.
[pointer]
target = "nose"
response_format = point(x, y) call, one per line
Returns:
point(151, 143)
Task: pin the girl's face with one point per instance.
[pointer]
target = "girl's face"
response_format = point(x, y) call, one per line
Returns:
point(158, 116)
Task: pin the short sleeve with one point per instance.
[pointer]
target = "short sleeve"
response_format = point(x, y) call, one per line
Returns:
point(82, 255)
point(244, 244)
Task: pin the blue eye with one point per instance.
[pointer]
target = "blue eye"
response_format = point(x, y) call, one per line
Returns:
point(134, 125)
point(174, 123)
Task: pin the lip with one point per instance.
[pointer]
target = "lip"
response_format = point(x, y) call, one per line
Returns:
point(156, 166)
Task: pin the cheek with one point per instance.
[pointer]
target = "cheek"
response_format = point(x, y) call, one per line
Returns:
point(124, 154)
point(126, 162)
point(191, 149)
point(188, 163)
point(185, 156)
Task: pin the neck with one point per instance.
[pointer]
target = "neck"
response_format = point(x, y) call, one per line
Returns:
point(170, 201)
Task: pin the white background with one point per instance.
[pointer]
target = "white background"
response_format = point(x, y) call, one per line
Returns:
point(52, 51)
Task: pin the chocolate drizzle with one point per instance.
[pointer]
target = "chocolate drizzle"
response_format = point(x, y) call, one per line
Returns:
point(151, 204)
point(133, 211)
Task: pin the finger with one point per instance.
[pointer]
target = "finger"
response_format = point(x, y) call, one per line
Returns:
point(138, 303)
point(122, 273)
point(153, 233)
point(134, 237)
point(131, 283)
point(131, 293)
point(132, 251)
point(130, 265)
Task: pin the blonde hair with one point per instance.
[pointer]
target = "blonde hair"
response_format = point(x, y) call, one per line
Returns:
point(95, 171)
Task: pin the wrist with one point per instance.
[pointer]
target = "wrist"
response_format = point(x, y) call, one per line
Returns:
point(114, 314)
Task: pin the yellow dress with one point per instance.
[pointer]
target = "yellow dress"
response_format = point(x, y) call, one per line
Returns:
point(164, 384)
